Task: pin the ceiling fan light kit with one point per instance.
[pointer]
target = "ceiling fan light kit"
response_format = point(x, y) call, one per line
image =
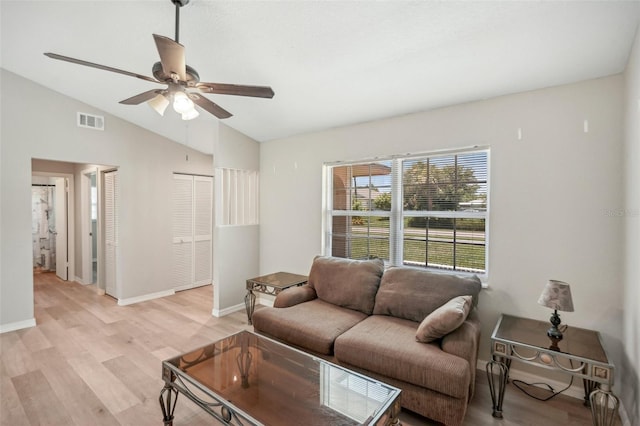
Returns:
point(159, 103)
point(183, 82)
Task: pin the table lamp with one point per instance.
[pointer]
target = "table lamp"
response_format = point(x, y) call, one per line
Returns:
point(557, 296)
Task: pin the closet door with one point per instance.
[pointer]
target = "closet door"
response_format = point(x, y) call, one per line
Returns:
point(111, 231)
point(203, 225)
point(182, 210)
point(192, 230)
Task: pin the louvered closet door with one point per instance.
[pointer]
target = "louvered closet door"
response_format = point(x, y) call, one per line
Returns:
point(111, 231)
point(182, 210)
point(203, 224)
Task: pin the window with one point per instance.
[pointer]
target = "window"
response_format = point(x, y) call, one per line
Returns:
point(425, 210)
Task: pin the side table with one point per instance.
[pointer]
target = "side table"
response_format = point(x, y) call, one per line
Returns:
point(580, 353)
point(269, 284)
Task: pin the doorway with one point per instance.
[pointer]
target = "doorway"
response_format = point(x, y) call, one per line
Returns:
point(52, 224)
point(43, 226)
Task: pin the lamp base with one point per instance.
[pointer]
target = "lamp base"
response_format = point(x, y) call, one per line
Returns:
point(554, 333)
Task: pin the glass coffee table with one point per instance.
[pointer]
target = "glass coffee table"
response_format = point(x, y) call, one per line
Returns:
point(248, 379)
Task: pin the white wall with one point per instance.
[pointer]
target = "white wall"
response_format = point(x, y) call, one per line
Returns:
point(552, 194)
point(40, 123)
point(235, 248)
point(630, 216)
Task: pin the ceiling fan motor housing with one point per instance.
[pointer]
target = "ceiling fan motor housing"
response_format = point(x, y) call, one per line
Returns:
point(180, 3)
point(192, 75)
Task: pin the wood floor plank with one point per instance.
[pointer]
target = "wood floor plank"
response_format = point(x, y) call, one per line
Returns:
point(34, 340)
point(39, 401)
point(67, 385)
point(111, 391)
point(89, 361)
point(10, 405)
point(15, 356)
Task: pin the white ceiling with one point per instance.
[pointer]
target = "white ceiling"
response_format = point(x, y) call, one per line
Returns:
point(330, 63)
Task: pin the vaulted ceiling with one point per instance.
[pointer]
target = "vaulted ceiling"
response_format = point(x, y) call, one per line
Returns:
point(330, 63)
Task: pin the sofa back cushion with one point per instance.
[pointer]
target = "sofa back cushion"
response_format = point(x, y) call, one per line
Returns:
point(414, 293)
point(348, 283)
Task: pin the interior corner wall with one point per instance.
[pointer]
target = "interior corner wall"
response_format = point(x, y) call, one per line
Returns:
point(235, 248)
point(630, 215)
point(554, 195)
point(40, 123)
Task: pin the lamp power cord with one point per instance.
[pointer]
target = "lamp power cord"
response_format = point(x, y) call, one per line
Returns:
point(541, 385)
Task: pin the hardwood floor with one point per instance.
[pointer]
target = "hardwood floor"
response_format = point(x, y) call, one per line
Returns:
point(92, 362)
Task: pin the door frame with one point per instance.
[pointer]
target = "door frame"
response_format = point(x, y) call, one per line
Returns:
point(102, 239)
point(85, 225)
point(71, 268)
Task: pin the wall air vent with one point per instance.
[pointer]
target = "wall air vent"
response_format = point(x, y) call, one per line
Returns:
point(90, 121)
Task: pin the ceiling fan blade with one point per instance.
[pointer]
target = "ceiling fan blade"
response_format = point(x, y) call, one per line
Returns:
point(142, 97)
point(236, 89)
point(100, 67)
point(209, 106)
point(171, 56)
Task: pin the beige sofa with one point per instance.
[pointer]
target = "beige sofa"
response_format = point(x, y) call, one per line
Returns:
point(411, 328)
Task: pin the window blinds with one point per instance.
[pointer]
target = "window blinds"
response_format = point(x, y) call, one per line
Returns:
point(239, 196)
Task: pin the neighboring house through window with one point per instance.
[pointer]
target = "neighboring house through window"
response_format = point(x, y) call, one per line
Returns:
point(427, 210)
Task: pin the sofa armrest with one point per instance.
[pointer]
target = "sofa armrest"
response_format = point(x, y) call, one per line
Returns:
point(464, 342)
point(294, 296)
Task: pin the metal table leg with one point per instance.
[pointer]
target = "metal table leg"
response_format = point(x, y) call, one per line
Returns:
point(166, 395)
point(250, 305)
point(497, 375)
point(604, 406)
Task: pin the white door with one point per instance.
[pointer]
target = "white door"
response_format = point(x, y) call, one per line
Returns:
point(111, 232)
point(61, 229)
point(182, 210)
point(192, 230)
point(203, 229)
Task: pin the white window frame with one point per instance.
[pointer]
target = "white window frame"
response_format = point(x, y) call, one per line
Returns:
point(396, 215)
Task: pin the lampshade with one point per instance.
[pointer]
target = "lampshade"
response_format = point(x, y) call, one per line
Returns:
point(190, 115)
point(182, 103)
point(557, 295)
point(159, 104)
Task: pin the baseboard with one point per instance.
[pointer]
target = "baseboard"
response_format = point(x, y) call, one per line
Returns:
point(226, 311)
point(145, 297)
point(81, 281)
point(623, 416)
point(575, 391)
point(265, 301)
point(19, 325)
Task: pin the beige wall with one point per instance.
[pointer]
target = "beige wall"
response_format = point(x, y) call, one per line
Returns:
point(39, 123)
point(552, 195)
point(630, 217)
point(236, 248)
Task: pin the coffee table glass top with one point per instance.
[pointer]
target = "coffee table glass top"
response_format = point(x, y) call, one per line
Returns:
point(268, 383)
point(576, 341)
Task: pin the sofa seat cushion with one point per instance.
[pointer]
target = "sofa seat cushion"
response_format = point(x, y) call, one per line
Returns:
point(414, 293)
point(388, 346)
point(312, 325)
point(348, 283)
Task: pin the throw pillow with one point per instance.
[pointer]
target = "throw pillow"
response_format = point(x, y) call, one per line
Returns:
point(444, 320)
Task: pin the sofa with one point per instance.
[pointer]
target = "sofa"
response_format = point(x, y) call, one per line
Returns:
point(408, 327)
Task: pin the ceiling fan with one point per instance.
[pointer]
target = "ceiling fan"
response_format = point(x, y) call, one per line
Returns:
point(183, 82)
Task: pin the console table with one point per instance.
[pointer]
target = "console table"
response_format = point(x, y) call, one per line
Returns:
point(271, 284)
point(580, 353)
